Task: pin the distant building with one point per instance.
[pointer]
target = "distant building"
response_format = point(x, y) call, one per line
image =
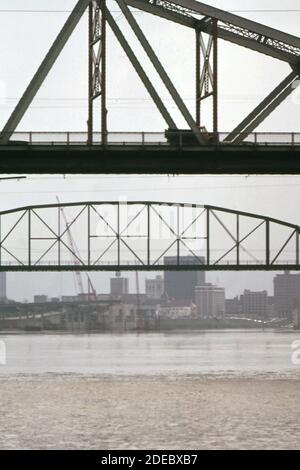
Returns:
point(210, 301)
point(69, 298)
point(119, 285)
point(296, 316)
point(40, 299)
point(181, 284)
point(155, 287)
point(271, 311)
point(233, 307)
point(255, 304)
point(286, 293)
point(3, 286)
point(178, 309)
point(123, 316)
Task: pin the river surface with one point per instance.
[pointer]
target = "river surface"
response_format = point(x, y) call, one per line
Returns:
point(197, 390)
point(207, 352)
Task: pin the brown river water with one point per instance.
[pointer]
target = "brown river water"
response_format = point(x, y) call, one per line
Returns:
point(197, 390)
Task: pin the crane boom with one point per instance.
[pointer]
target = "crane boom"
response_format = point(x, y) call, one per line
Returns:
point(91, 289)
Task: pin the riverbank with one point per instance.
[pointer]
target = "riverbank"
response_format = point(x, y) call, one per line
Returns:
point(155, 412)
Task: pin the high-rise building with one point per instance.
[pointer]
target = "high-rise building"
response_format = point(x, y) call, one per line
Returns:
point(155, 287)
point(119, 285)
point(210, 301)
point(3, 286)
point(181, 284)
point(233, 307)
point(286, 293)
point(255, 304)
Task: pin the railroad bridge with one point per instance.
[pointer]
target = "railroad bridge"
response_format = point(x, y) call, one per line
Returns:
point(199, 148)
point(144, 236)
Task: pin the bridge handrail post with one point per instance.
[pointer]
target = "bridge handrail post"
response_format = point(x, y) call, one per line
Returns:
point(180, 140)
point(255, 138)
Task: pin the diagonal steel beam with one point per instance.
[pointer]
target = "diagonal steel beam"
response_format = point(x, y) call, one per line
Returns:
point(160, 70)
point(241, 36)
point(140, 71)
point(43, 70)
point(265, 108)
point(227, 17)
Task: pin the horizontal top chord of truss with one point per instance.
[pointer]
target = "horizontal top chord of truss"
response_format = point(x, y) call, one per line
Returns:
point(143, 235)
point(231, 27)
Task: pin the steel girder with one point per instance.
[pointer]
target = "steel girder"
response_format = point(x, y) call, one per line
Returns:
point(233, 28)
point(161, 71)
point(140, 71)
point(264, 109)
point(218, 23)
point(207, 74)
point(141, 235)
point(43, 70)
point(97, 65)
point(238, 30)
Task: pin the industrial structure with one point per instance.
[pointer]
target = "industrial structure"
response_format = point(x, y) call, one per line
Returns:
point(191, 150)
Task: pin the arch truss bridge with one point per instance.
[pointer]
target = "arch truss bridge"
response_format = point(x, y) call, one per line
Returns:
point(142, 235)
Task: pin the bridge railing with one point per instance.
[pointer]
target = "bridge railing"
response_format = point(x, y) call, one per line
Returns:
point(134, 265)
point(179, 139)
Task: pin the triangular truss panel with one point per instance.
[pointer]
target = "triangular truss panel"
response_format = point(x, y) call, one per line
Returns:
point(210, 24)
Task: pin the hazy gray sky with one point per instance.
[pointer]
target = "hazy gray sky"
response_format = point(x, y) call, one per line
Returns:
point(245, 78)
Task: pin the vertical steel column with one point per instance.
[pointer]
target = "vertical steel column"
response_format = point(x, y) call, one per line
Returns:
point(90, 122)
point(103, 73)
point(118, 235)
point(207, 74)
point(97, 66)
point(89, 241)
point(148, 235)
point(297, 248)
point(215, 80)
point(267, 242)
point(237, 239)
point(198, 78)
point(207, 237)
point(178, 239)
point(29, 237)
point(59, 235)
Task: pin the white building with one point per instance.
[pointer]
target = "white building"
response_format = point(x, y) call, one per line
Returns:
point(210, 301)
point(155, 287)
point(178, 310)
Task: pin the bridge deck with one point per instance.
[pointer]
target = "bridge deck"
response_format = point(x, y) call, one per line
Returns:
point(150, 159)
point(152, 268)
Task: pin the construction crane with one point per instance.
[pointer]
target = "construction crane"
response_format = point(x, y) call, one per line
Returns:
point(78, 275)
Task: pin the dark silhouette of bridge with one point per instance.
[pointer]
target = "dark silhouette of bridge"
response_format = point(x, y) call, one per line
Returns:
point(140, 235)
point(191, 150)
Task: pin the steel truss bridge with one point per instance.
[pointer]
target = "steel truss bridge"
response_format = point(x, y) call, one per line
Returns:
point(192, 150)
point(146, 236)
